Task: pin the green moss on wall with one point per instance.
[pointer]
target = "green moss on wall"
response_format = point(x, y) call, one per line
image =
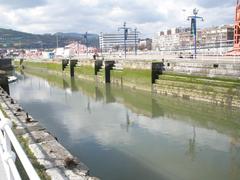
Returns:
point(46, 65)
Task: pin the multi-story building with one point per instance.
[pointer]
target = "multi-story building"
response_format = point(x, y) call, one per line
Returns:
point(172, 39)
point(217, 36)
point(181, 38)
point(115, 41)
point(145, 44)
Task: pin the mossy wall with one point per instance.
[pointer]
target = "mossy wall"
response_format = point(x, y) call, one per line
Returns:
point(215, 90)
point(85, 71)
point(54, 66)
point(218, 90)
point(135, 78)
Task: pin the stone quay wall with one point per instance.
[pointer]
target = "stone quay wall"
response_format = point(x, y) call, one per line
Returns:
point(58, 162)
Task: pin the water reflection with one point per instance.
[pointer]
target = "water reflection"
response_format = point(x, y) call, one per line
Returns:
point(121, 133)
point(191, 152)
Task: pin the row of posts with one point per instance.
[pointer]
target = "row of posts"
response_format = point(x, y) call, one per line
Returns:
point(156, 70)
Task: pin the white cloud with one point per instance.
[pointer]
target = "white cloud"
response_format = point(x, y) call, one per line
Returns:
point(107, 15)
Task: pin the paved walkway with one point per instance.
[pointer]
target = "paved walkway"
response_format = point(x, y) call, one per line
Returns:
point(2, 170)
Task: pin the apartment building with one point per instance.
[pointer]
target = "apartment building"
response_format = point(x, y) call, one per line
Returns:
point(182, 39)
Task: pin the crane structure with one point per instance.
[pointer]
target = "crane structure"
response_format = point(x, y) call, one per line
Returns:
point(236, 45)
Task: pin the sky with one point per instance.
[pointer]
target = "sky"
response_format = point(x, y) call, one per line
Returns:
point(95, 16)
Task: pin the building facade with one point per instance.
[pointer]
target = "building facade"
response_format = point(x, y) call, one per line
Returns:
point(115, 41)
point(178, 39)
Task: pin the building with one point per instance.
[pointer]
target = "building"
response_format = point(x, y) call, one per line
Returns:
point(115, 41)
point(47, 55)
point(179, 39)
point(145, 44)
point(217, 36)
point(172, 39)
point(76, 48)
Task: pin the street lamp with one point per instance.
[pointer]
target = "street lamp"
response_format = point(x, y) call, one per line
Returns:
point(101, 42)
point(86, 40)
point(136, 38)
point(125, 31)
point(194, 28)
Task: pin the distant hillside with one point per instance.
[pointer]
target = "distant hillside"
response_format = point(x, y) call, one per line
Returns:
point(16, 39)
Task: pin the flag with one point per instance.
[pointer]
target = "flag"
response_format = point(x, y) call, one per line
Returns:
point(193, 26)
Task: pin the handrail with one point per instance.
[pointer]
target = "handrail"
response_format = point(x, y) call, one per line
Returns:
point(7, 138)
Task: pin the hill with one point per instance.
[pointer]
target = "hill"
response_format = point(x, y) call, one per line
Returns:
point(15, 39)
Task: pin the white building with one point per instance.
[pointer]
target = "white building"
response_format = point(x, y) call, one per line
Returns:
point(219, 39)
point(47, 54)
point(59, 52)
point(115, 41)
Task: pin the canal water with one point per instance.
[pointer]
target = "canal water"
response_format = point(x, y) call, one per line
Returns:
point(123, 134)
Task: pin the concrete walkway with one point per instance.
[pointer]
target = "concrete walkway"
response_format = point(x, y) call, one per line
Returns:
point(2, 170)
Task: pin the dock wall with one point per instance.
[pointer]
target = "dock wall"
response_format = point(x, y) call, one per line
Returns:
point(215, 82)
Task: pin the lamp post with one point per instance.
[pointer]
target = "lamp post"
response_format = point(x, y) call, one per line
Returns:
point(136, 38)
point(101, 42)
point(194, 28)
point(125, 31)
point(86, 40)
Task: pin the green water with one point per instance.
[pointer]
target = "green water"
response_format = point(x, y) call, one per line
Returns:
point(122, 134)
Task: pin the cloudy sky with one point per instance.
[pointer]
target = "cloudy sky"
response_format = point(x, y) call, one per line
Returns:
point(149, 16)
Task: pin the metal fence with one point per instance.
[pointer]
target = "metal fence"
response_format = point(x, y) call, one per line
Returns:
point(8, 141)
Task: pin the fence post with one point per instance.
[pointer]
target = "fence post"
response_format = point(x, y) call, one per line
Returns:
point(7, 150)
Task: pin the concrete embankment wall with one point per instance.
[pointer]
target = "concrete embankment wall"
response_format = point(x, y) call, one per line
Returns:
point(206, 68)
point(58, 162)
point(136, 75)
point(213, 82)
point(217, 91)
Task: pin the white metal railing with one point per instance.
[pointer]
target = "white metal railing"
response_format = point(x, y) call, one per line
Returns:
point(7, 141)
